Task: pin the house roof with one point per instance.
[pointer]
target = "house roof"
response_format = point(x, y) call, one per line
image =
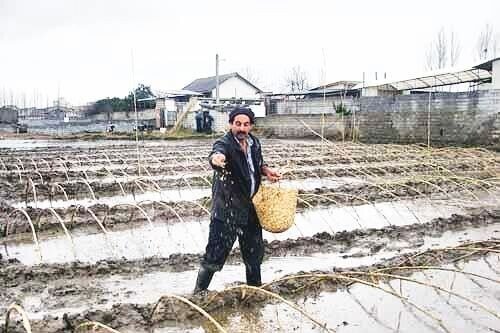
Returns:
point(488, 65)
point(208, 84)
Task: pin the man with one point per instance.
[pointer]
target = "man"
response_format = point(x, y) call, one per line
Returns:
point(207, 121)
point(199, 121)
point(238, 165)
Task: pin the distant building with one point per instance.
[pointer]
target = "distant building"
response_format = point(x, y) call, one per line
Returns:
point(60, 110)
point(48, 113)
point(179, 107)
point(170, 104)
point(342, 96)
point(8, 114)
point(231, 86)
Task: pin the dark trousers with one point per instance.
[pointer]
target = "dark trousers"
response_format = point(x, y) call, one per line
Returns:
point(221, 238)
point(199, 125)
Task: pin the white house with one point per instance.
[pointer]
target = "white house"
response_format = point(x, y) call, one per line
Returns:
point(180, 106)
point(231, 86)
point(233, 89)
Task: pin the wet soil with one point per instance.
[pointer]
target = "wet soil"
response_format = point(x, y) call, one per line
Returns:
point(15, 274)
point(75, 183)
point(383, 173)
point(13, 222)
point(53, 163)
point(238, 298)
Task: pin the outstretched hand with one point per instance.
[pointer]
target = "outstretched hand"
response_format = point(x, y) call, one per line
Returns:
point(219, 160)
point(271, 174)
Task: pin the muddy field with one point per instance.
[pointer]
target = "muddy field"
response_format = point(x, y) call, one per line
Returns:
point(105, 237)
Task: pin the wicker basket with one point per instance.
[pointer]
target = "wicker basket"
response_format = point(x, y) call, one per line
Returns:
point(275, 207)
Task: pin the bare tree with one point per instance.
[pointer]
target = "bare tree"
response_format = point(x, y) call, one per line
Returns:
point(429, 57)
point(454, 49)
point(437, 52)
point(443, 50)
point(252, 76)
point(297, 80)
point(441, 45)
point(495, 46)
point(486, 44)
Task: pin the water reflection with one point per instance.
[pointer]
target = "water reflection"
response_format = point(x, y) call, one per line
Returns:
point(163, 239)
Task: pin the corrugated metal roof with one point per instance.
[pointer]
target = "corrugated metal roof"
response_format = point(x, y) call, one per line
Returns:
point(175, 93)
point(349, 84)
point(442, 77)
point(327, 92)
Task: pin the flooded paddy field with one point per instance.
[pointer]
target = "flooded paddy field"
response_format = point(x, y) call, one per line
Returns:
point(106, 237)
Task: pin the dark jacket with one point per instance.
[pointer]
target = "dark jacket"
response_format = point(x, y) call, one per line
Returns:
point(231, 186)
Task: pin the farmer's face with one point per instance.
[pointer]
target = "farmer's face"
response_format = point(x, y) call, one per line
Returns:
point(241, 126)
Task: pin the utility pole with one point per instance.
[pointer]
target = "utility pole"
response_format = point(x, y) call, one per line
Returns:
point(217, 79)
point(324, 105)
point(136, 115)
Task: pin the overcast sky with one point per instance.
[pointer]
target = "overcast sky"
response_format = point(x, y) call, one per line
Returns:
point(83, 49)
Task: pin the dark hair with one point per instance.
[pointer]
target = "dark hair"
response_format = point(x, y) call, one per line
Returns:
point(241, 110)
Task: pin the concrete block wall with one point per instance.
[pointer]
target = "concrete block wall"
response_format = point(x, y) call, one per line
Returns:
point(293, 125)
point(189, 122)
point(8, 115)
point(124, 122)
point(465, 118)
point(315, 106)
point(146, 114)
point(454, 117)
point(57, 127)
point(9, 128)
point(220, 121)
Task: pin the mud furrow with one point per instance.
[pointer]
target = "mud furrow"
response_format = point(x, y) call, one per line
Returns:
point(14, 273)
point(143, 316)
point(344, 195)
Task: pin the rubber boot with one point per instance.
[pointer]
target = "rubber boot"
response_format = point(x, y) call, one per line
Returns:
point(253, 275)
point(203, 281)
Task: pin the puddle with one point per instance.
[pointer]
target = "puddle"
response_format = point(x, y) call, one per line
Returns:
point(156, 178)
point(309, 184)
point(148, 288)
point(28, 144)
point(160, 239)
point(366, 309)
point(166, 195)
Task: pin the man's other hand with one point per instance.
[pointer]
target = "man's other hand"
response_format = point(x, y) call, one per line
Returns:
point(271, 174)
point(219, 160)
